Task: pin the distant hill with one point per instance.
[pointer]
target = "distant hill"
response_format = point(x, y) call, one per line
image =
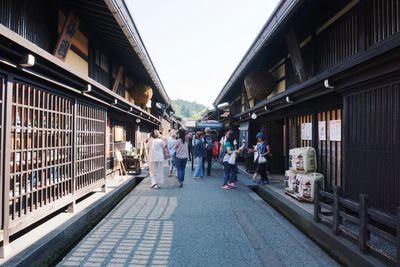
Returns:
point(188, 109)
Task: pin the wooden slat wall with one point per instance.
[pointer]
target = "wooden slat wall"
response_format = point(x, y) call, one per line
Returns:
point(338, 42)
point(2, 93)
point(383, 20)
point(33, 20)
point(295, 131)
point(41, 149)
point(372, 146)
point(90, 145)
point(330, 152)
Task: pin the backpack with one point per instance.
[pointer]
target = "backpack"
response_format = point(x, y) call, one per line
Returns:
point(209, 142)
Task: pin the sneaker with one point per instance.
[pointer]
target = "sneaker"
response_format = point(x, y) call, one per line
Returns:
point(153, 185)
point(181, 185)
point(196, 177)
point(233, 185)
point(259, 182)
point(265, 182)
point(170, 175)
point(156, 186)
point(226, 187)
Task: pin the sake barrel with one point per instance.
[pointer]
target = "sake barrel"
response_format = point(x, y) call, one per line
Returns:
point(302, 160)
point(141, 93)
point(290, 181)
point(259, 83)
point(307, 185)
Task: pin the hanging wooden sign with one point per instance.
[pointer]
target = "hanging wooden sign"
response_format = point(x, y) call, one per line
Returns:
point(65, 39)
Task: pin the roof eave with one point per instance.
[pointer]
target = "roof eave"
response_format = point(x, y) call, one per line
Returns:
point(281, 13)
point(122, 15)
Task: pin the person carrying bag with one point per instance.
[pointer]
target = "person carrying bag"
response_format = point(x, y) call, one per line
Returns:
point(263, 152)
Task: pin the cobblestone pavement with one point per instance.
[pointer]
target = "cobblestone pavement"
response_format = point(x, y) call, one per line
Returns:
point(197, 225)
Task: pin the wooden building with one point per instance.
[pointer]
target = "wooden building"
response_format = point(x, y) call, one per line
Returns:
point(76, 83)
point(335, 67)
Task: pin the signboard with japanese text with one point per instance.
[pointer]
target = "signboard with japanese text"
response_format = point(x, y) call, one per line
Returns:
point(306, 131)
point(322, 130)
point(335, 130)
point(65, 39)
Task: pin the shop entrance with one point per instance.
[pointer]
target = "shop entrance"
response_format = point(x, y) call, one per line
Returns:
point(275, 134)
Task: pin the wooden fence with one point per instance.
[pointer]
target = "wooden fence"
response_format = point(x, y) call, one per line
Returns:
point(358, 221)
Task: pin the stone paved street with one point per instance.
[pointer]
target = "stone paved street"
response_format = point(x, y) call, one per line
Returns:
point(197, 225)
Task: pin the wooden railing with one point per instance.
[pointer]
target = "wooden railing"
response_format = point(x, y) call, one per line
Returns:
point(363, 221)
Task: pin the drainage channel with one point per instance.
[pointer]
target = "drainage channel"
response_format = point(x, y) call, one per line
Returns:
point(47, 242)
point(295, 219)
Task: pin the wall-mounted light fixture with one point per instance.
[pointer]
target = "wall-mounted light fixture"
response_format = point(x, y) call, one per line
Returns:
point(138, 120)
point(223, 105)
point(327, 85)
point(288, 100)
point(28, 60)
point(254, 116)
point(87, 89)
point(114, 102)
point(266, 108)
point(131, 109)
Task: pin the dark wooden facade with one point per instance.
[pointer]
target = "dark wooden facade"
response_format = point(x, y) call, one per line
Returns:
point(355, 45)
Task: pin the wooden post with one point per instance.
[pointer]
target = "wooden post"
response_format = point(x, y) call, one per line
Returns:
point(336, 208)
point(363, 227)
point(71, 207)
point(246, 98)
point(295, 55)
point(5, 250)
point(317, 207)
point(118, 79)
point(398, 237)
point(64, 41)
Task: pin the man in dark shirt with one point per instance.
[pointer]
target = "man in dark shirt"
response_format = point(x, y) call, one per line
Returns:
point(209, 142)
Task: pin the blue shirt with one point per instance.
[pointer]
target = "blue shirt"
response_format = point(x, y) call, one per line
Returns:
point(199, 148)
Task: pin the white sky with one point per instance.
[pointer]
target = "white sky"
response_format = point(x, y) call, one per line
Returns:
point(196, 45)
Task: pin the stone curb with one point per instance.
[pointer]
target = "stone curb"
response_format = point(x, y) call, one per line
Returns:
point(52, 247)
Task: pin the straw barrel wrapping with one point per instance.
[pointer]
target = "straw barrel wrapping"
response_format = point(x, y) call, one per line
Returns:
point(142, 94)
point(259, 83)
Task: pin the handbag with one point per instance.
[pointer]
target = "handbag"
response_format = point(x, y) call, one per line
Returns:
point(232, 158)
point(262, 160)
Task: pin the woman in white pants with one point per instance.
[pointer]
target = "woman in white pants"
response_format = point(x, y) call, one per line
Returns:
point(155, 152)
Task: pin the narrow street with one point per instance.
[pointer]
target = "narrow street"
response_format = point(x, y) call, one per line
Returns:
point(197, 225)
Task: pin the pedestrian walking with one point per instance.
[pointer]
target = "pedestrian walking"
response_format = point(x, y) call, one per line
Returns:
point(234, 167)
point(171, 143)
point(228, 151)
point(155, 155)
point(190, 146)
point(199, 152)
point(263, 151)
point(209, 144)
point(182, 154)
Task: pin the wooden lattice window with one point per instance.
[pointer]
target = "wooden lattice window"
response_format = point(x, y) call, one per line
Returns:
point(90, 146)
point(41, 149)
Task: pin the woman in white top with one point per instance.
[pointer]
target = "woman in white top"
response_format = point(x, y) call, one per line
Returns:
point(155, 155)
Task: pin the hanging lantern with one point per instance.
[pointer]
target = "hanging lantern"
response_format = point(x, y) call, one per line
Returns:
point(259, 83)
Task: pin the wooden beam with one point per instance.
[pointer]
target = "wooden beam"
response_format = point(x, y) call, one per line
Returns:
point(295, 55)
point(64, 41)
point(246, 98)
point(118, 79)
